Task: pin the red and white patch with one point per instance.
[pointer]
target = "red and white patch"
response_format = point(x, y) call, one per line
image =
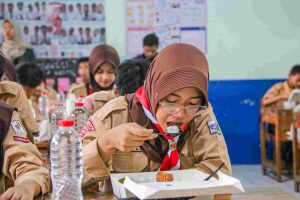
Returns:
point(21, 139)
point(89, 126)
point(89, 104)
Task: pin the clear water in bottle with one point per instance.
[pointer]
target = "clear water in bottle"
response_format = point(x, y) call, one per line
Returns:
point(66, 163)
point(56, 114)
point(80, 116)
point(44, 104)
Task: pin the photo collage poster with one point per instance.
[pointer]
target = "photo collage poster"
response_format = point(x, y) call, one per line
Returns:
point(171, 20)
point(58, 29)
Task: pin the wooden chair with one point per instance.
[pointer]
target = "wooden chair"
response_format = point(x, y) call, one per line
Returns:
point(296, 148)
point(282, 119)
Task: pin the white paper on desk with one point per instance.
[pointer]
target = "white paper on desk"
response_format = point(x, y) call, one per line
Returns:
point(186, 183)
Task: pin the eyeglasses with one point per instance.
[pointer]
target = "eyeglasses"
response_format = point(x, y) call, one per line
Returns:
point(173, 108)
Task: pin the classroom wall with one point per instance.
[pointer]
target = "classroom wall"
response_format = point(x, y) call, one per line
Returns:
point(251, 45)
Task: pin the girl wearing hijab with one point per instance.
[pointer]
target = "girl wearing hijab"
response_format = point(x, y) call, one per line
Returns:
point(13, 47)
point(129, 134)
point(102, 64)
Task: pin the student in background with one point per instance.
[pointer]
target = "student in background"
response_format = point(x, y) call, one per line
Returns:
point(13, 47)
point(83, 72)
point(150, 46)
point(130, 75)
point(30, 76)
point(280, 92)
point(103, 61)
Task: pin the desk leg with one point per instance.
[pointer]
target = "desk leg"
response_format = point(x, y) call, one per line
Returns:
point(278, 152)
point(296, 160)
point(263, 147)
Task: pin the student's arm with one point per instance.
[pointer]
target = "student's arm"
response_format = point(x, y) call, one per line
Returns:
point(23, 163)
point(273, 95)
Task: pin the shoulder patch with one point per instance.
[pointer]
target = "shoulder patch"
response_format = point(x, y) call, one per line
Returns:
point(17, 127)
point(214, 127)
point(21, 139)
point(89, 126)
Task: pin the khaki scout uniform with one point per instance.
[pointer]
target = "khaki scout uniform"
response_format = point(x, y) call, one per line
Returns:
point(97, 100)
point(22, 160)
point(78, 90)
point(204, 149)
point(276, 90)
point(12, 94)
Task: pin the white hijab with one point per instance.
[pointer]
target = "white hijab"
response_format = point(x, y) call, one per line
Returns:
point(15, 47)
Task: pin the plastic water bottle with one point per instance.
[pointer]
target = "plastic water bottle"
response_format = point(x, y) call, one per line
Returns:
point(80, 116)
point(61, 97)
point(56, 114)
point(66, 163)
point(44, 104)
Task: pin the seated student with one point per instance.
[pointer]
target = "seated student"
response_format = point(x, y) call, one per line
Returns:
point(122, 135)
point(30, 76)
point(20, 161)
point(12, 94)
point(150, 46)
point(83, 71)
point(130, 75)
point(103, 61)
point(280, 92)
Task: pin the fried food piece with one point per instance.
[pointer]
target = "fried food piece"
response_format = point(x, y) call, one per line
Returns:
point(163, 177)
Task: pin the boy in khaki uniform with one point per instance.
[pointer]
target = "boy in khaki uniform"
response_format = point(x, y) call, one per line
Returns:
point(280, 92)
point(131, 133)
point(22, 162)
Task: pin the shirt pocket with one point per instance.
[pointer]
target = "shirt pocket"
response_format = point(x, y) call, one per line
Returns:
point(187, 162)
point(129, 162)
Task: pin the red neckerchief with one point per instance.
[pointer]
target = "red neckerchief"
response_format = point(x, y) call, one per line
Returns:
point(171, 160)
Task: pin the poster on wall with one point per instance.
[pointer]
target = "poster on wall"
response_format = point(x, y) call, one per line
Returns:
point(171, 20)
point(58, 29)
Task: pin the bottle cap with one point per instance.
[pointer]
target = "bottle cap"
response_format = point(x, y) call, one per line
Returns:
point(44, 92)
point(79, 104)
point(66, 123)
point(81, 96)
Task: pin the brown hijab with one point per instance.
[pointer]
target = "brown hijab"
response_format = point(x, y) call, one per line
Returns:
point(102, 54)
point(176, 66)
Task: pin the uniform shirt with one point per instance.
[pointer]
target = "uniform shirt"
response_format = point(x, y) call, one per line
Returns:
point(78, 90)
point(12, 94)
point(97, 100)
point(276, 90)
point(204, 148)
point(22, 160)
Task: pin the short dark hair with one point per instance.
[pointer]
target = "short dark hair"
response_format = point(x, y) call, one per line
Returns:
point(295, 70)
point(130, 75)
point(29, 74)
point(83, 59)
point(150, 40)
point(2, 65)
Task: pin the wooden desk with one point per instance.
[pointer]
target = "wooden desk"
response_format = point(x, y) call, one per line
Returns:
point(282, 119)
point(296, 148)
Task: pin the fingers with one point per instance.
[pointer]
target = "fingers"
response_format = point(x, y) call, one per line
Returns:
point(147, 134)
point(16, 196)
point(7, 195)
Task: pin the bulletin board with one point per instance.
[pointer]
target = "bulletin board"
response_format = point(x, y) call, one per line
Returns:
point(60, 28)
point(171, 20)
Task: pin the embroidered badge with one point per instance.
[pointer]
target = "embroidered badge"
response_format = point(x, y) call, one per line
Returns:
point(214, 127)
point(172, 146)
point(89, 104)
point(21, 139)
point(89, 126)
point(18, 127)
